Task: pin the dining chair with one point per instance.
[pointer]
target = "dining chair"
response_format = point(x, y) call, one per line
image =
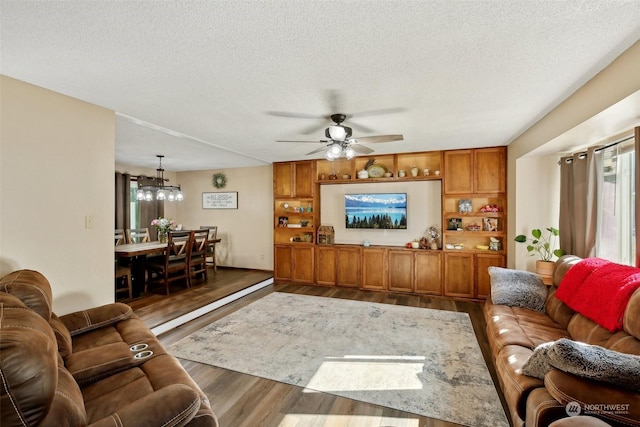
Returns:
point(211, 245)
point(138, 235)
point(174, 265)
point(198, 261)
point(122, 279)
point(120, 238)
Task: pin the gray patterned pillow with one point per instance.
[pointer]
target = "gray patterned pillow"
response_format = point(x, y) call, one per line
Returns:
point(596, 363)
point(517, 288)
point(538, 364)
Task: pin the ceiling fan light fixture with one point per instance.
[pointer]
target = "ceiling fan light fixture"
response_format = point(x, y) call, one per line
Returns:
point(329, 156)
point(335, 150)
point(349, 153)
point(338, 133)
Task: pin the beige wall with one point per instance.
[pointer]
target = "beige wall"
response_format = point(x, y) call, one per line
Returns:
point(246, 232)
point(525, 187)
point(56, 168)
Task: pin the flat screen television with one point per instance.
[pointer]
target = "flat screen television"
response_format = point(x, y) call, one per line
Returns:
point(376, 210)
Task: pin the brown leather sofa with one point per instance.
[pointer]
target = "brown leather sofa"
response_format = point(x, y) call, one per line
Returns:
point(514, 332)
point(98, 367)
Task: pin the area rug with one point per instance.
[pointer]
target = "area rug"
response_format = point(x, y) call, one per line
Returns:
point(418, 360)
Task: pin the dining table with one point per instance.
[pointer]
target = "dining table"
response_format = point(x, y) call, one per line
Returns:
point(137, 253)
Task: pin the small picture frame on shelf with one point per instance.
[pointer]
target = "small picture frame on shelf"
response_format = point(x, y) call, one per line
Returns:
point(490, 224)
point(465, 206)
point(283, 221)
point(454, 224)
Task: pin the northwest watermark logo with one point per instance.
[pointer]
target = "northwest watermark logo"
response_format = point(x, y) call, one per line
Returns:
point(574, 409)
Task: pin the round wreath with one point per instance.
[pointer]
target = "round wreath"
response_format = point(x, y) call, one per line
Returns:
point(219, 180)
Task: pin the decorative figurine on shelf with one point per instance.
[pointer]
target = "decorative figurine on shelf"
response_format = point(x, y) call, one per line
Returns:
point(490, 208)
point(433, 234)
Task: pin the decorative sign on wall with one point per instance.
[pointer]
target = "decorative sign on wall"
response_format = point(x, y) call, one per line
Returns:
point(226, 200)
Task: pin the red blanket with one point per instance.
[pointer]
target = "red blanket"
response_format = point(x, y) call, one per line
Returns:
point(600, 290)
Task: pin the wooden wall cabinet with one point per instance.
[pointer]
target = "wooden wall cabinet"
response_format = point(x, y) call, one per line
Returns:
point(374, 269)
point(483, 281)
point(294, 179)
point(294, 263)
point(401, 270)
point(348, 268)
point(458, 275)
point(427, 267)
point(460, 270)
point(326, 265)
point(481, 170)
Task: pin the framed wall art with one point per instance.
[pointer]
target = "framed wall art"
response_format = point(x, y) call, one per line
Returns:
point(220, 200)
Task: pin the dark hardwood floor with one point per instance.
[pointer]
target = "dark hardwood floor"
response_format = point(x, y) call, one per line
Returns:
point(245, 400)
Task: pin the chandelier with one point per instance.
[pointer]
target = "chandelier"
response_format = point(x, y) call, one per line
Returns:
point(150, 186)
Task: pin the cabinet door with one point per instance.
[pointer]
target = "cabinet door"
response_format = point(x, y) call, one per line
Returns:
point(458, 168)
point(282, 179)
point(483, 281)
point(401, 270)
point(325, 265)
point(374, 270)
point(303, 179)
point(458, 275)
point(283, 262)
point(489, 174)
point(428, 272)
point(348, 270)
point(303, 263)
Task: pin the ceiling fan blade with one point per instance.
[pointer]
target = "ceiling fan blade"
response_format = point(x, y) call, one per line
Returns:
point(303, 140)
point(379, 112)
point(313, 129)
point(361, 149)
point(317, 151)
point(361, 128)
point(379, 138)
point(296, 115)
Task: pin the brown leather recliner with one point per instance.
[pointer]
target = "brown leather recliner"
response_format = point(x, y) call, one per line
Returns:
point(98, 367)
point(514, 332)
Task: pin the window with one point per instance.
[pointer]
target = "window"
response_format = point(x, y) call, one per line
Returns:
point(134, 206)
point(616, 218)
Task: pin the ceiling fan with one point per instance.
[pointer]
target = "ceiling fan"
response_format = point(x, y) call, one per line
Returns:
point(340, 142)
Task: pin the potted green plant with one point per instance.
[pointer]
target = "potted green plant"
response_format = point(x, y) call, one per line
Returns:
point(544, 244)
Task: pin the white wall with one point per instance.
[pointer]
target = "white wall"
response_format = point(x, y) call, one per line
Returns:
point(246, 232)
point(423, 211)
point(56, 168)
point(538, 201)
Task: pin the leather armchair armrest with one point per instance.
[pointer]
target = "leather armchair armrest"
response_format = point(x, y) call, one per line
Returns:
point(595, 398)
point(97, 317)
point(174, 405)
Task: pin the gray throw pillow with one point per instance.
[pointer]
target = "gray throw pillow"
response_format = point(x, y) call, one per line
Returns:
point(517, 288)
point(538, 364)
point(596, 363)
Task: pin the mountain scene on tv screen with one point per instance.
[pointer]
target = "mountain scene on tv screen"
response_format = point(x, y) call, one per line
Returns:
point(379, 210)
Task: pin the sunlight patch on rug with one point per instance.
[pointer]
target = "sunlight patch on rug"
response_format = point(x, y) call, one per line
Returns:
point(417, 360)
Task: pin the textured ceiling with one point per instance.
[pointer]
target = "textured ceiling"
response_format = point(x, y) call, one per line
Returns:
point(196, 80)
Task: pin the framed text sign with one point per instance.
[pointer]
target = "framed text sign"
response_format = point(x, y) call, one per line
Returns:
point(222, 200)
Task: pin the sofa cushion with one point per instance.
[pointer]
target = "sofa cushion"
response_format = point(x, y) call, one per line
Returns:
point(517, 288)
point(30, 287)
point(538, 364)
point(609, 402)
point(596, 363)
point(28, 366)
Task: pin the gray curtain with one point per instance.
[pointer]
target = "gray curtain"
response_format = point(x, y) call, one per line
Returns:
point(123, 202)
point(579, 194)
